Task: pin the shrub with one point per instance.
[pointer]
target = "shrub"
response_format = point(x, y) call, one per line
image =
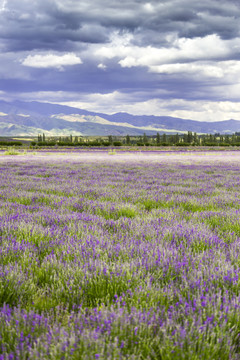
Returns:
point(117, 143)
point(11, 151)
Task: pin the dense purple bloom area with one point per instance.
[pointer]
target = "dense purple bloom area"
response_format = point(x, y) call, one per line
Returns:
point(130, 256)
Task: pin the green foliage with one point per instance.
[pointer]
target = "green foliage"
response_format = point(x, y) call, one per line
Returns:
point(112, 152)
point(10, 143)
point(104, 289)
point(117, 143)
point(182, 140)
point(12, 151)
point(115, 214)
point(182, 144)
point(150, 204)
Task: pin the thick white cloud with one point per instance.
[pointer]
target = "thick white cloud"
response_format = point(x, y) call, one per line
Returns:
point(228, 70)
point(102, 66)
point(183, 49)
point(200, 110)
point(192, 69)
point(51, 60)
point(209, 111)
point(198, 59)
point(148, 7)
point(3, 5)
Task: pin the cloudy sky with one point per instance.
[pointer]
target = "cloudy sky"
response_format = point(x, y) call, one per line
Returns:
point(162, 57)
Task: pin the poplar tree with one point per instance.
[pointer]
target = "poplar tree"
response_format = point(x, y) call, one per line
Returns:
point(189, 137)
point(176, 138)
point(145, 139)
point(164, 138)
point(110, 139)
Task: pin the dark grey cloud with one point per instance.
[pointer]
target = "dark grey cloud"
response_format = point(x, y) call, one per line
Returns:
point(59, 24)
point(194, 19)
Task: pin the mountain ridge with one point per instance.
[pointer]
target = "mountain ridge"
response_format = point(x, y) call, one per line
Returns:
point(19, 118)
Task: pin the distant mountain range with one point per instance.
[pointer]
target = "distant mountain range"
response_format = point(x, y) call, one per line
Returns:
point(20, 118)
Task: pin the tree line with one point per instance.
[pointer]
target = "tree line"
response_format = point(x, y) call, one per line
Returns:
point(186, 139)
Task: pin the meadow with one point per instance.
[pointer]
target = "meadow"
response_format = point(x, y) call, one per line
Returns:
point(120, 255)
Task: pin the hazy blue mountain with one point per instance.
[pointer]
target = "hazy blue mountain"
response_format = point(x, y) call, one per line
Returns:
point(31, 118)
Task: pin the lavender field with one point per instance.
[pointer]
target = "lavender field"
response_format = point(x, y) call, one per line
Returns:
point(123, 256)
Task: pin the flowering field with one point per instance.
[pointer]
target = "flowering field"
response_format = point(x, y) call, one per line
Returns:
point(125, 256)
